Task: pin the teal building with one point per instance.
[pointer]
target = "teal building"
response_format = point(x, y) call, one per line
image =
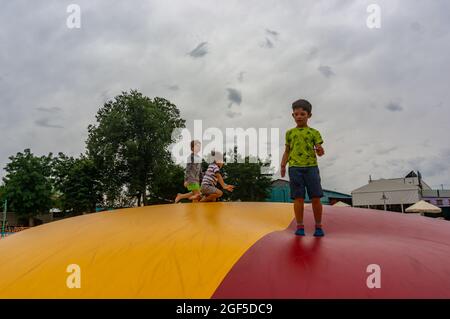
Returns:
point(280, 192)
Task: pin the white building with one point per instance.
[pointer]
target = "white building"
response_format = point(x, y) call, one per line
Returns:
point(395, 194)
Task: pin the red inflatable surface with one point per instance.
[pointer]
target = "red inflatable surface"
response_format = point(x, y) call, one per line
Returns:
point(412, 252)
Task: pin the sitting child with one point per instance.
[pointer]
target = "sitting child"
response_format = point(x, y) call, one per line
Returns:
point(212, 175)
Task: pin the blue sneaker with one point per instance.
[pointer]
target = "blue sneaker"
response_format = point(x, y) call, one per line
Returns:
point(300, 232)
point(319, 232)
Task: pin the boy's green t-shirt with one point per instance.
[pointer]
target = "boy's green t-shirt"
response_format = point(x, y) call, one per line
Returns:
point(301, 141)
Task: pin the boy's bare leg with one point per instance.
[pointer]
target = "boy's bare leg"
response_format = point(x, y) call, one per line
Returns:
point(208, 198)
point(196, 196)
point(298, 210)
point(211, 197)
point(182, 196)
point(317, 209)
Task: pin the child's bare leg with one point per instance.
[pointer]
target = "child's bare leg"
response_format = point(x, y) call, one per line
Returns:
point(182, 196)
point(317, 209)
point(208, 198)
point(212, 197)
point(298, 210)
point(218, 194)
point(195, 196)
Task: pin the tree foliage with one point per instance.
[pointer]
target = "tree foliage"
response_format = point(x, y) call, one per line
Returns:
point(28, 184)
point(128, 145)
point(246, 174)
point(77, 185)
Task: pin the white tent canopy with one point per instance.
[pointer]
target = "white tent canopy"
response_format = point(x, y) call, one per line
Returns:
point(341, 204)
point(423, 207)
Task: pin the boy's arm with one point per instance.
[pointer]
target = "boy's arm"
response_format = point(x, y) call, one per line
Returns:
point(319, 149)
point(318, 141)
point(222, 182)
point(284, 160)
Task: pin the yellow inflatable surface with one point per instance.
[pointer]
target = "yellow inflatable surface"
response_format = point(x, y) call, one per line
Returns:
point(163, 251)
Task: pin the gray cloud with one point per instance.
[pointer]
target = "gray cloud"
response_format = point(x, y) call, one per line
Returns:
point(329, 162)
point(49, 109)
point(326, 71)
point(105, 96)
point(272, 33)
point(267, 44)
point(200, 51)
point(394, 107)
point(232, 114)
point(312, 53)
point(416, 26)
point(241, 77)
point(44, 123)
point(429, 169)
point(393, 162)
point(173, 87)
point(234, 96)
point(386, 150)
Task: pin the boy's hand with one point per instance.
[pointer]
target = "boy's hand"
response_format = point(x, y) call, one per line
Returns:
point(319, 150)
point(229, 188)
point(185, 184)
point(283, 171)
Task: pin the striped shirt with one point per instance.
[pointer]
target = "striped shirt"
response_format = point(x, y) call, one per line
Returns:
point(210, 175)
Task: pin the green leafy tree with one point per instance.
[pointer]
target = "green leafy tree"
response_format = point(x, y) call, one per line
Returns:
point(129, 143)
point(167, 184)
point(2, 193)
point(28, 184)
point(251, 184)
point(76, 181)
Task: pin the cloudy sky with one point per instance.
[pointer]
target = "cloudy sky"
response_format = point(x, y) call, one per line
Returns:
point(380, 96)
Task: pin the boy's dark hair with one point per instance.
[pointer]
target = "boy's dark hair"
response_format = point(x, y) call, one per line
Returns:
point(302, 104)
point(193, 142)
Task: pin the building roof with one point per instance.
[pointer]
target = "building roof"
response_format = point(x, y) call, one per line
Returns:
point(436, 193)
point(389, 185)
point(334, 194)
point(411, 174)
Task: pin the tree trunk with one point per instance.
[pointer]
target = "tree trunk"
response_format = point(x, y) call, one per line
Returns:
point(139, 200)
point(31, 221)
point(144, 196)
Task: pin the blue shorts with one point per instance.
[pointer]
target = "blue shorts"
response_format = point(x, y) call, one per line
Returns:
point(305, 177)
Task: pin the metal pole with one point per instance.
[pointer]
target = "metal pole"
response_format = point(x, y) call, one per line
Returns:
point(383, 197)
point(4, 218)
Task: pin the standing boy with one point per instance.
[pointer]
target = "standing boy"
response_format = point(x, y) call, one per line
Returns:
point(302, 145)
